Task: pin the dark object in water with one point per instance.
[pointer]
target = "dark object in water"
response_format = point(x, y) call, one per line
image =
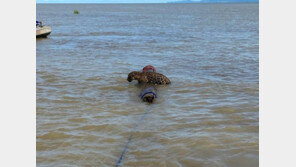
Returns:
point(76, 12)
point(148, 94)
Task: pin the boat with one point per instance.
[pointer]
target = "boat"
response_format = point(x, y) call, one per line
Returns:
point(41, 30)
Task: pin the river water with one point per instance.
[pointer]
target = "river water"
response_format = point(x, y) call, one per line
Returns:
point(86, 109)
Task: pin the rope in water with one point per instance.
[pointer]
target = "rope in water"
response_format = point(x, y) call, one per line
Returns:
point(130, 137)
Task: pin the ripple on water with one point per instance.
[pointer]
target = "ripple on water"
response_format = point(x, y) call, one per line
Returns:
point(86, 109)
point(55, 136)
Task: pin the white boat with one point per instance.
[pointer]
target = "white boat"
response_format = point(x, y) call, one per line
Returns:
point(42, 31)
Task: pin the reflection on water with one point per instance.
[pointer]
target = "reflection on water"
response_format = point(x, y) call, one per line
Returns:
point(86, 109)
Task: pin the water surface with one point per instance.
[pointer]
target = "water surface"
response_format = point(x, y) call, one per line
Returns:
point(86, 108)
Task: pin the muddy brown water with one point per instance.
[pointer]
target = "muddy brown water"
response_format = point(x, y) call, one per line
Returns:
point(86, 108)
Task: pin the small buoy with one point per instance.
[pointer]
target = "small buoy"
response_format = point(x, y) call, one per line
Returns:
point(149, 68)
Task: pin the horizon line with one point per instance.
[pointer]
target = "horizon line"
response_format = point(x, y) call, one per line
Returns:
point(136, 2)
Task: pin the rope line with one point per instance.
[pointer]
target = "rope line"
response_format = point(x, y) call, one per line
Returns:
point(130, 138)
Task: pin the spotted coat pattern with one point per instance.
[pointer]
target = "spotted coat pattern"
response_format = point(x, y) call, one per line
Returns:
point(148, 77)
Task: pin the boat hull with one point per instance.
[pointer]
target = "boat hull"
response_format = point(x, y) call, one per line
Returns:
point(43, 32)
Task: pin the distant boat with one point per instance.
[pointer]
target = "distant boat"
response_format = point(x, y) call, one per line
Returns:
point(42, 31)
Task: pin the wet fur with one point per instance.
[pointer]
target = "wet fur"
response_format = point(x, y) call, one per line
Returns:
point(148, 77)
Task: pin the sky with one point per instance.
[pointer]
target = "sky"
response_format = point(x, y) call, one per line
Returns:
point(104, 1)
point(114, 1)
